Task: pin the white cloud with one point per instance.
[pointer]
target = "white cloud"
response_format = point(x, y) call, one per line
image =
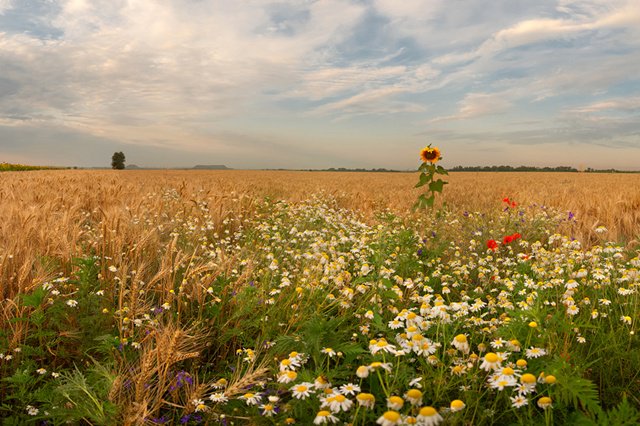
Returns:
point(476, 105)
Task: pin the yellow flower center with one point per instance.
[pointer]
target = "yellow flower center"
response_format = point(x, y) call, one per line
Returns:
point(508, 371)
point(550, 379)
point(461, 338)
point(491, 357)
point(324, 413)
point(340, 398)
point(392, 416)
point(528, 378)
point(545, 400)
point(456, 404)
point(414, 393)
point(521, 363)
point(428, 411)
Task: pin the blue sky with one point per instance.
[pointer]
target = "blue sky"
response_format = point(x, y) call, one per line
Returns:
point(315, 84)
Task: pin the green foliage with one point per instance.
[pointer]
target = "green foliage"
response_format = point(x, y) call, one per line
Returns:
point(117, 161)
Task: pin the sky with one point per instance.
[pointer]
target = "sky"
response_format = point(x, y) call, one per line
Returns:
point(318, 84)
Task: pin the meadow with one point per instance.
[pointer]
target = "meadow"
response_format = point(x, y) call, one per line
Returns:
point(265, 297)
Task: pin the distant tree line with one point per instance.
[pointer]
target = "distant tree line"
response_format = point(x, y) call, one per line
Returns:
point(512, 169)
point(344, 169)
point(533, 169)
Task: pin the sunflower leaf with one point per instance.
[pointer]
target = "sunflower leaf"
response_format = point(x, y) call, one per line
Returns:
point(436, 186)
point(424, 179)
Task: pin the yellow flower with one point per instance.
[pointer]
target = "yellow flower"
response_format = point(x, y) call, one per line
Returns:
point(457, 405)
point(430, 155)
point(544, 402)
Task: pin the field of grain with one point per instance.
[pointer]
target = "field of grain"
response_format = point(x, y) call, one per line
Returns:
point(152, 297)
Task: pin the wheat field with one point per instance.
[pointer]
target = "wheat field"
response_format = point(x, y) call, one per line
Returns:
point(55, 215)
point(160, 226)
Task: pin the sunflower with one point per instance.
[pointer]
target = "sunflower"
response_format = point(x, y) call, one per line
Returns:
point(431, 155)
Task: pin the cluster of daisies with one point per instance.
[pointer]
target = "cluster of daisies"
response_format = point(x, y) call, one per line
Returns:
point(438, 323)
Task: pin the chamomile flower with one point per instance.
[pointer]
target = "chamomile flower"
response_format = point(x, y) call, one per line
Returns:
point(395, 402)
point(218, 397)
point(544, 402)
point(287, 376)
point(321, 383)
point(390, 418)
point(251, 398)
point(461, 343)
point(268, 410)
point(414, 396)
point(349, 389)
point(339, 403)
point(534, 352)
point(366, 400)
point(518, 401)
point(362, 371)
point(302, 390)
point(428, 416)
point(328, 351)
point(325, 417)
point(199, 405)
point(492, 361)
point(457, 405)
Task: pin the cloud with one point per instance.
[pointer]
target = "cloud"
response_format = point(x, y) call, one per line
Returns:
point(476, 105)
point(628, 105)
point(226, 77)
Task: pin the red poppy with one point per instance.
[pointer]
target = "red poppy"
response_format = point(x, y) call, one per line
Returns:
point(507, 239)
point(492, 244)
point(516, 236)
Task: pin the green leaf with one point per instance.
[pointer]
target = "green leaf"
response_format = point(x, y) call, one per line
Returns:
point(424, 179)
point(441, 170)
point(437, 185)
point(430, 200)
point(34, 299)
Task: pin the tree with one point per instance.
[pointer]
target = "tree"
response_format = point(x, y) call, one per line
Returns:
point(117, 161)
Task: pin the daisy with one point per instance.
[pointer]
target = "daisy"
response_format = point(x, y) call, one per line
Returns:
point(533, 352)
point(349, 389)
point(321, 383)
point(491, 362)
point(366, 400)
point(302, 391)
point(218, 397)
point(428, 416)
point(324, 417)
point(518, 401)
point(329, 351)
point(395, 402)
point(544, 402)
point(199, 404)
point(390, 418)
point(528, 384)
point(414, 396)
point(339, 403)
point(460, 343)
point(268, 410)
point(251, 398)
point(384, 365)
point(457, 405)
point(287, 376)
point(362, 372)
